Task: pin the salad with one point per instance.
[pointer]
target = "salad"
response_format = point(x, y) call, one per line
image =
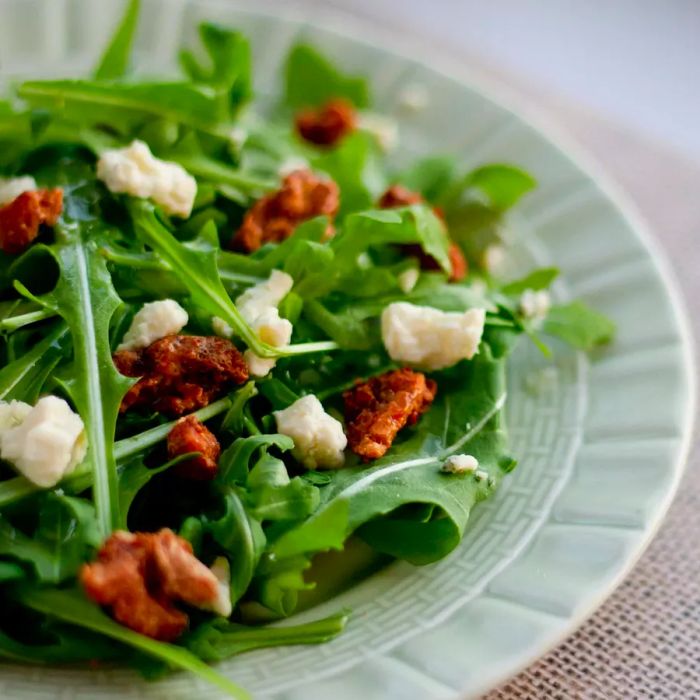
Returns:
point(236, 338)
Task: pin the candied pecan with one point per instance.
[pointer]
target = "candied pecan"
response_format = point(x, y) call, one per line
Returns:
point(181, 373)
point(21, 218)
point(375, 410)
point(328, 124)
point(191, 435)
point(400, 196)
point(140, 575)
point(273, 218)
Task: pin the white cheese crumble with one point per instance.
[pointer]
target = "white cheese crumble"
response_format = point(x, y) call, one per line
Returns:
point(152, 322)
point(258, 306)
point(319, 439)
point(13, 187)
point(430, 338)
point(136, 171)
point(480, 475)
point(43, 442)
point(460, 464)
point(408, 279)
point(384, 129)
point(535, 304)
point(221, 605)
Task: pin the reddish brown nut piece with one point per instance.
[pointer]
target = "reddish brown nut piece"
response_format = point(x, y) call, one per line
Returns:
point(21, 219)
point(400, 196)
point(181, 373)
point(328, 124)
point(273, 218)
point(140, 576)
point(377, 409)
point(191, 435)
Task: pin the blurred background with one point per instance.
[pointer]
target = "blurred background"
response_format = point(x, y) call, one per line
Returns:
point(635, 61)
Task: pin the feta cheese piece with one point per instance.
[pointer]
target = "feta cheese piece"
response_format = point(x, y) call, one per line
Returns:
point(13, 187)
point(222, 604)
point(384, 129)
point(535, 304)
point(319, 439)
point(44, 442)
point(258, 306)
point(136, 171)
point(408, 279)
point(430, 338)
point(152, 322)
point(460, 464)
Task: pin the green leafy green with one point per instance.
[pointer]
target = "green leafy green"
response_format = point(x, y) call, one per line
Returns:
point(115, 59)
point(579, 325)
point(535, 280)
point(312, 80)
point(70, 606)
point(219, 639)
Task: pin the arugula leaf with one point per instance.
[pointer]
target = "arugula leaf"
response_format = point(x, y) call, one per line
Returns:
point(503, 185)
point(64, 538)
point(466, 417)
point(197, 267)
point(126, 104)
point(311, 80)
point(354, 166)
point(241, 537)
point(578, 325)
point(86, 300)
point(535, 280)
point(430, 176)
point(70, 606)
point(115, 59)
point(23, 379)
point(219, 639)
point(230, 59)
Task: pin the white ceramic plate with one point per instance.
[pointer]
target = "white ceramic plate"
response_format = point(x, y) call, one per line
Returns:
point(601, 443)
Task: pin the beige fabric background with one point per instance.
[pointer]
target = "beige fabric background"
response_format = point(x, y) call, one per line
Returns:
point(644, 642)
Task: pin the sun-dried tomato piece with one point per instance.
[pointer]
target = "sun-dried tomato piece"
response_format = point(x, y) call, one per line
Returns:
point(21, 219)
point(273, 218)
point(140, 576)
point(375, 410)
point(400, 196)
point(191, 435)
point(328, 124)
point(181, 373)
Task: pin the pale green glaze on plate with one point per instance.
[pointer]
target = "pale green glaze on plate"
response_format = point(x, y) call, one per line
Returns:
point(601, 444)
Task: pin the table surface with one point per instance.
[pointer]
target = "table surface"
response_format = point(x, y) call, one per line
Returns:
point(644, 642)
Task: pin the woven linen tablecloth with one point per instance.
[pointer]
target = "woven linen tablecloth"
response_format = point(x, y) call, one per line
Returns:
point(644, 642)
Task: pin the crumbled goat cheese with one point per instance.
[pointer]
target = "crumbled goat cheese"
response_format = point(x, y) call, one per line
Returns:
point(136, 171)
point(430, 338)
point(222, 604)
point(238, 136)
point(535, 304)
point(384, 129)
point(44, 442)
point(13, 187)
point(152, 322)
point(460, 464)
point(319, 439)
point(414, 97)
point(258, 306)
point(292, 164)
point(408, 279)
point(480, 475)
